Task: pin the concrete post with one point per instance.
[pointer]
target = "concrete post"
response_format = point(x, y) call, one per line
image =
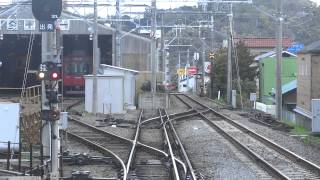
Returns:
point(234, 98)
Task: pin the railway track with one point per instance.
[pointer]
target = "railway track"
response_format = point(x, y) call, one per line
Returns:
point(278, 161)
point(145, 164)
point(135, 160)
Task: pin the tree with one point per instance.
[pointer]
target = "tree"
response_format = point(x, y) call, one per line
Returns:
point(246, 70)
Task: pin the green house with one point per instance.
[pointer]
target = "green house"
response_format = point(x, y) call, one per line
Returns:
point(267, 74)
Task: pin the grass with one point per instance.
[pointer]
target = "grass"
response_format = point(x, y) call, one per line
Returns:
point(307, 137)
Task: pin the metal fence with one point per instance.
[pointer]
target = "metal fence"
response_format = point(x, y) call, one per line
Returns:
point(19, 157)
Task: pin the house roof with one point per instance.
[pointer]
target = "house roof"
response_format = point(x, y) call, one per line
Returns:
point(303, 112)
point(263, 42)
point(119, 68)
point(292, 85)
point(273, 54)
point(289, 86)
point(313, 48)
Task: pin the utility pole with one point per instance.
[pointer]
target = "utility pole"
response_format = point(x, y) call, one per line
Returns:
point(118, 35)
point(229, 68)
point(153, 50)
point(179, 60)
point(50, 132)
point(279, 63)
point(203, 62)
point(46, 130)
point(163, 54)
point(95, 60)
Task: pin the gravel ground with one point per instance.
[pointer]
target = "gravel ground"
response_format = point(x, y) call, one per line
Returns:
point(103, 170)
point(126, 120)
point(213, 156)
point(290, 168)
point(294, 144)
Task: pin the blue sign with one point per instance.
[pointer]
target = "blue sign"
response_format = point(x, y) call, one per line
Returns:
point(295, 48)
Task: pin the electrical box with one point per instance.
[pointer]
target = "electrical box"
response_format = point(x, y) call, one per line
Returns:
point(9, 120)
point(315, 115)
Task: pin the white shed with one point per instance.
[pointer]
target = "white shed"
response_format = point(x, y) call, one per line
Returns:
point(116, 89)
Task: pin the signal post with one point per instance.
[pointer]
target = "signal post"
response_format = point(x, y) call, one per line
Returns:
point(47, 12)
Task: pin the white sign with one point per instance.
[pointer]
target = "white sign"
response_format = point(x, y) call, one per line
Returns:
point(9, 119)
point(253, 96)
point(29, 24)
point(315, 115)
point(12, 25)
point(196, 56)
point(64, 24)
point(207, 67)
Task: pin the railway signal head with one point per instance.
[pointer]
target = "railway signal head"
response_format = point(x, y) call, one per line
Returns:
point(46, 10)
point(54, 76)
point(49, 71)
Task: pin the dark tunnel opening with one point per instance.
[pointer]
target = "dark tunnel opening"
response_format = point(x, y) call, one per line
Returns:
point(13, 56)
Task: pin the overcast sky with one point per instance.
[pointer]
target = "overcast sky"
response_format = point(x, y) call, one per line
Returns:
point(317, 1)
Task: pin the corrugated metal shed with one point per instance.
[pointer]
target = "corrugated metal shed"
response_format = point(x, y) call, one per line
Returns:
point(116, 89)
point(267, 80)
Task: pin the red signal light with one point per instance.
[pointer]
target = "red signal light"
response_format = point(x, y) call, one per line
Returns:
point(54, 76)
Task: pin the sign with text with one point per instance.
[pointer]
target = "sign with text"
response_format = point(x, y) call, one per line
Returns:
point(253, 96)
point(29, 24)
point(46, 26)
point(181, 72)
point(207, 67)
point(63, 24)
point(192, 70)
point(12, 25)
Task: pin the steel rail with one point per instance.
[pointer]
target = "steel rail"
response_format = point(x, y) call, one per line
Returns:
point(15, 173)
point(311, 166)
point(170, 115)
point(184, 102)
point(152, 148)
point(102, 149)
point(264, 164)
point(185, 156)
point(134, 144)
point(172, 156)
point(74, 104)
point(126, 140)
point(162, 153)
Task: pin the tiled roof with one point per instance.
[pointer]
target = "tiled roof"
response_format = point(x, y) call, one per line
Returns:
point(263, 42)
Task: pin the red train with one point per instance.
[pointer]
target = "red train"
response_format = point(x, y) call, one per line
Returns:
point(74, 68)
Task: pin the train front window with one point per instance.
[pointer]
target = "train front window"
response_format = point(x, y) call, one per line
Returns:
point(77, 69)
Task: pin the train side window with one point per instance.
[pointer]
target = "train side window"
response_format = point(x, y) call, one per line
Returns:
point(86, 68)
